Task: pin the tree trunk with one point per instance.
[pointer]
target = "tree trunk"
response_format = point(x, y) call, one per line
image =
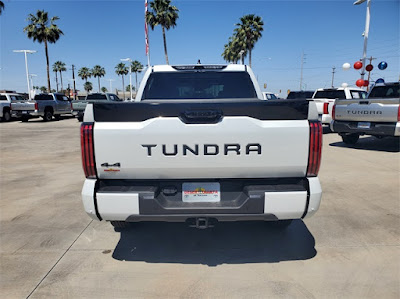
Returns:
point(48, 66)
point(249, 56)
point(98, 78)
point(165, 44)
point(56, 81)
point(62, 87)
point(123, 86)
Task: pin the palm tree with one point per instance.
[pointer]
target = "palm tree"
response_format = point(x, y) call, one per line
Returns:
point(122, 70)
point(98, 71)
point(1, 7)
point(61, 68)
point(103, 89)
point(55, 70)
point(84, 73)
point(45, 31)
point(249, 31)
point(43, 89)
point(234, 50)
point(136, 67)
point(164, 14)
point(88, 86)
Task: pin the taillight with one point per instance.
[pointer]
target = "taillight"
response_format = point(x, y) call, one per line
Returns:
point(314, 154)
point(36, 106)
point(333, 112)
point(87, 150)
point(326, 111)
point(71, 107)
point(398, 114)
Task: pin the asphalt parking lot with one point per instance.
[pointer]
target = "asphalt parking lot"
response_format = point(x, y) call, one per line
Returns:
point(51, 248)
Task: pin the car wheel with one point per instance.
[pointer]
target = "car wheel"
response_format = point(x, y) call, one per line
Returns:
point(350, 139)
point(48, 115)
point(80, 118)
point(120, 224)
point(6, 116)
point(24, 119)
point(280, 224)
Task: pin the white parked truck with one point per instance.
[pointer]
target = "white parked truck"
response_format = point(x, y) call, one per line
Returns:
point(325, 98)
point(6, 101)
point(199, 145)
point(378, 115)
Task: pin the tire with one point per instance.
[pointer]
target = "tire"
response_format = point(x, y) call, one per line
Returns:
point(350, 139)
point(280, 224)
point(80, 118)
point(24, 119)
point(119, 224)
point(6, 115)
point(48, 115)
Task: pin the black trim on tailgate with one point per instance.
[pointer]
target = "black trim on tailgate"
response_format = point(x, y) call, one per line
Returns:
point(238, 196)
point(258, 109)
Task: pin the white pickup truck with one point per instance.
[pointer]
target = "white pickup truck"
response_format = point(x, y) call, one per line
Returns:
point(6, 101)
point(199, 145)
point(325, 98)
point(378, 115)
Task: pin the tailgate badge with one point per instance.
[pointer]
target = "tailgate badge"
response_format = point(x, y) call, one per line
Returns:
point(111, 167)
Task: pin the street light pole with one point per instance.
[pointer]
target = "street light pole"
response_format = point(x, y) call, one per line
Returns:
point(366, 32)
point(26, 66)
point(130, 74)
point(110, 80)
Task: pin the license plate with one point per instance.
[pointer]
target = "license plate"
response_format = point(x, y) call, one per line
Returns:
point(364, 125)
point(201, 192)
point(24, 112)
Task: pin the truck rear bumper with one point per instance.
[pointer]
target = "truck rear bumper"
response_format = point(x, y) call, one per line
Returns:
point(269, 199)
point(376, 128)
point(326, 119)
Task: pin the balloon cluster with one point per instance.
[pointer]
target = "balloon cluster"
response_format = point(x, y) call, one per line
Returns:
point(358, 65)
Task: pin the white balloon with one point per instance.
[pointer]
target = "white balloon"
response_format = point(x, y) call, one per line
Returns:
point(346, 66)
point(344, 85)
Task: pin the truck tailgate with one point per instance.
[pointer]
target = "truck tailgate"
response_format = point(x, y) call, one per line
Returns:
point(161, 141)
point(366, 110)
point(23, 106)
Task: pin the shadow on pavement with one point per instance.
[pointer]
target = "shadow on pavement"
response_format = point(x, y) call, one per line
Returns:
point(388, 144)
point(326, 130)
point(226, 243)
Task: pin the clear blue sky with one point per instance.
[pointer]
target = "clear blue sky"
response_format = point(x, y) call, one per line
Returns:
point(102, 32)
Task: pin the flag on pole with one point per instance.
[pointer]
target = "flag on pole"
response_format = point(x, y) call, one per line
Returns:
point(146, 29)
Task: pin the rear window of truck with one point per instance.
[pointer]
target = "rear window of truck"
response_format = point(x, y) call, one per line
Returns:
point(97, 97)
point(198, 85)
point(43, 97)
point(330, 94)
point(389, 91)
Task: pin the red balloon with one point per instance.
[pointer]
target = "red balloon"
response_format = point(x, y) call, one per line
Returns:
point(366, 83)
point(360, 82)
point(358, 65)
point(369, 67)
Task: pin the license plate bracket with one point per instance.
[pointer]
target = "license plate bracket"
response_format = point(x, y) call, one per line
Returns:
point(201, 192)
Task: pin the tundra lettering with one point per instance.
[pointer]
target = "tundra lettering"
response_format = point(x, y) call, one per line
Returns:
point(208, 149)
point(363, 112)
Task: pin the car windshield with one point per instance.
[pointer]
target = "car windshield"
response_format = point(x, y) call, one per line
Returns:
point(97, 97)
point(330, 94)
point(198, 85)
point(388, 91)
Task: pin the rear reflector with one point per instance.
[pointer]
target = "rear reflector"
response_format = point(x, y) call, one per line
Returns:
point(36, 106)
point(314, 155)
point(333, 112)
point(326, 111)
point(87, 150)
